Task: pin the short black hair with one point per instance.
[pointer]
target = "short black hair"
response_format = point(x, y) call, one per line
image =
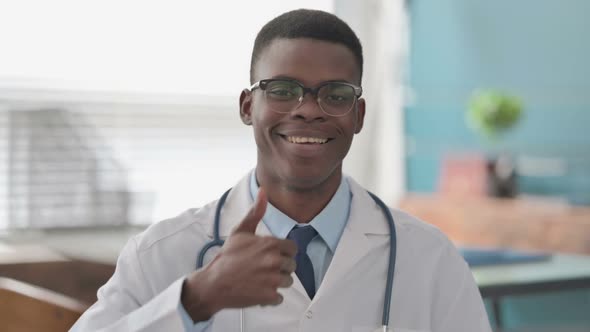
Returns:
point(307, 23)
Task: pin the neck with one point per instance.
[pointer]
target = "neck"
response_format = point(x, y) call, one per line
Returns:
point(301, 204)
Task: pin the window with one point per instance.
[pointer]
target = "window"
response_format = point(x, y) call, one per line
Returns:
point(123, 111)
point(126, 111)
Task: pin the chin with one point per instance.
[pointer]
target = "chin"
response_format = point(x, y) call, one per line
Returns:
point(304, 179)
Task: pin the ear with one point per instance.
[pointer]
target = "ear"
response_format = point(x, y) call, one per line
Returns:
point(360, 115)
point(246, 107)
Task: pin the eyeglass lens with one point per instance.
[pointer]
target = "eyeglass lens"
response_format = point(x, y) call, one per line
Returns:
point(334, 98)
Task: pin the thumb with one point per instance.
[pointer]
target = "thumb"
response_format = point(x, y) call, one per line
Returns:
point(252, 219)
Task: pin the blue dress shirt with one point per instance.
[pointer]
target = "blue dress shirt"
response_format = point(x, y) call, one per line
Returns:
point(329, 224)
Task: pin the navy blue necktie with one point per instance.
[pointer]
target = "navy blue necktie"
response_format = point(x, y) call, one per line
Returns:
point(304, 271)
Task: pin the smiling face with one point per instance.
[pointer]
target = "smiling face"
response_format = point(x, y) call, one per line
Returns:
point(305, 147)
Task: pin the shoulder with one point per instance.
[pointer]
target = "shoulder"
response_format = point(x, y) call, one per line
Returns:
point(194, 227)
point(415, 238)
point(406, 224)
point(193, 222)
point(419, 229)
point(423, 242)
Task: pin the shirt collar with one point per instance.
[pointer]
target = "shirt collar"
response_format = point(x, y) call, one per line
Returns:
point(329, 223)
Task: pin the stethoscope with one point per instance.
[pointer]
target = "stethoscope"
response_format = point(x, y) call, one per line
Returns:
point(217, 241)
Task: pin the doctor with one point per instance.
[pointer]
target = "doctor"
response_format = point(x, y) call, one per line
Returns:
point(306, 248)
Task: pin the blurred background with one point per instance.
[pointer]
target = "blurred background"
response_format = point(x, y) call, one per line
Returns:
point(117, 114)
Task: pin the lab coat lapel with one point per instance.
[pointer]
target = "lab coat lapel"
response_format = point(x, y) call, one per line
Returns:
point(365, 218)
point(237, 205)
point(297, 290)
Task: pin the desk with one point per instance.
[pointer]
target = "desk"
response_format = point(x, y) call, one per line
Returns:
point(28, 253)
point(102, 246)
point(522, 223)
point(93, 244)
point(558, 273)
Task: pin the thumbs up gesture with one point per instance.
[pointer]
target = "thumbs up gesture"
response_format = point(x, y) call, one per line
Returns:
point(254, 216)
point(248, 270)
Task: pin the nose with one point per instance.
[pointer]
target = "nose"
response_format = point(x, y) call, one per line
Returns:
point(309, 109)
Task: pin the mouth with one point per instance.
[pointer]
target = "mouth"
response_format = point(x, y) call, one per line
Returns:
point(305, 139)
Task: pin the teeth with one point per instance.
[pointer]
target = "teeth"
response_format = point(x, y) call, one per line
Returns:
point(303, 140)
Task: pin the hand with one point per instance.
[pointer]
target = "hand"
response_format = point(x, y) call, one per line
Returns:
point(248, 270)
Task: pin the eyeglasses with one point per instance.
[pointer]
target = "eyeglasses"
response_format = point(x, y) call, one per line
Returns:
point(284, 95)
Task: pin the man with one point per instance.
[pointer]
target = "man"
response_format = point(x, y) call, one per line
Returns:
point(318, 260)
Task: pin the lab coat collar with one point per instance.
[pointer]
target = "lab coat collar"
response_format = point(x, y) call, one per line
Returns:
point(365, 217)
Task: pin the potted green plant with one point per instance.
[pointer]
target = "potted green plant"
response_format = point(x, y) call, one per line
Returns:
point(491, 113)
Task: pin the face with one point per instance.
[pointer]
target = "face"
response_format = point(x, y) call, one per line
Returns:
point(305, 147)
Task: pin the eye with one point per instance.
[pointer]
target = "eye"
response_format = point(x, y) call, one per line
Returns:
point(337, 94)
point(337, 98)
point(282, 90)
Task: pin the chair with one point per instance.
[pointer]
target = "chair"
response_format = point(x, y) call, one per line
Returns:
point(25, 308)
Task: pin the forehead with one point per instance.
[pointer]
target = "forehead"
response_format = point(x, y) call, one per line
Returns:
point(309, 61)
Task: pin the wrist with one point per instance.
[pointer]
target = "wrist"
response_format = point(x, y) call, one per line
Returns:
point(197, 298)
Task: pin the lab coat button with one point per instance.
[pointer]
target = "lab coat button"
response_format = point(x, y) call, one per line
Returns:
point(309, 314)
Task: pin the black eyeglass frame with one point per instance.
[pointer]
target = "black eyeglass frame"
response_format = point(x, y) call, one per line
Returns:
point(358, 91)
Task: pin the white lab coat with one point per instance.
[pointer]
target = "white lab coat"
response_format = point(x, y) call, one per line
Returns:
point(433, 289)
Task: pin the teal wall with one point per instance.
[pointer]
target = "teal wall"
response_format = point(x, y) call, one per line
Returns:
point(536, 49)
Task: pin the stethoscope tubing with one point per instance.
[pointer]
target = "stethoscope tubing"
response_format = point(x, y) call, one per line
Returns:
point(392, 256)
point(217, 241)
